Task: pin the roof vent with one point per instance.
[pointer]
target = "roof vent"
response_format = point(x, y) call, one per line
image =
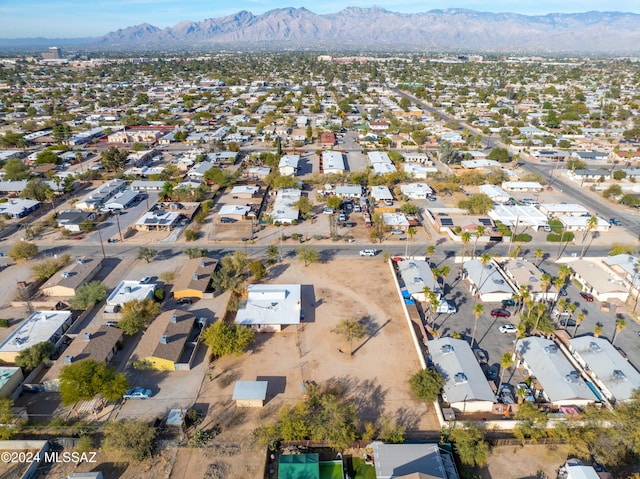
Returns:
point(164, 339)
point(65, 275)
point(619, 375)
point(447, 348)
point(174, 318)
point(460, 378)
point(68, 359)
point(594, 347)
point(202, 265)
point(551, 349)
point(572, 377)
point(87, 336)
point(127, 289)
point(195, 277)
point(498, 281)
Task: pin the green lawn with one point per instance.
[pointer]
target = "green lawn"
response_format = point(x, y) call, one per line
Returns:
point(331, 470)
point(362, 470)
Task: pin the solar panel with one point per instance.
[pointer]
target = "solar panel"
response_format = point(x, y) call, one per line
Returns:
point(485, 221)
point(446, 221)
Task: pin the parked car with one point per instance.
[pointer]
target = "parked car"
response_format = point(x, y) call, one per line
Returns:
point(185, 301)
point(327, 211)
point(563, 291)
point(397, 232)
point(446, 307)
point(145, 280)
point(480, 355)
point(507, 328)
point(588, 297)
point(500, 313)
point(112, 324)
point(569, 322)
point(137, 393)
point(505, 395)
point(357, 208)
point(342, 218)
point(367, 252)
point(431, 198)
point(615, 222)
point(547, 229)
point(388, 202)
point(224, 219)
point(508, 302)
point(560, 314)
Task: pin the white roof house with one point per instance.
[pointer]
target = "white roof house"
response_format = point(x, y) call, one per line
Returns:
point(381, 193)
point(525, 273)
point(270, 307)
point(18, 208)
point(489, 282)
point(518, 215)
point(288, 165)
point(416, 276)
point(395, 220)
point(348, 191)
point(473, 164)
point(333, 162)
point(579, 223)
point(416, 191)
point(417, 170)
point(284, 211)
point(102, 194)
point(563, 209)
point(38, 327)
point(627, 266)
point(561, 384)
point(199, 169)
point(466, 387)
point(129, 291)
point(609, 370)
point(245, 191)
point(604, 283)
point(521, 186)
point(497, 194)
point(234, 210)
point(144, 185)
point(158, 220)
point(383, 168)
point(122, 200)
point(381, 162)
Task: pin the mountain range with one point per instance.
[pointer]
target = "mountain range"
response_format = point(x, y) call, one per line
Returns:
point(377, 29)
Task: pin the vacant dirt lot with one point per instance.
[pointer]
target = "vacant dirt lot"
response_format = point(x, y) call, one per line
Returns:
point(375, 376)
point(526, 462)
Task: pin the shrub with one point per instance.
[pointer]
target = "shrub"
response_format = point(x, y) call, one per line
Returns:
point(159, 294)
point(190, 235)
point(4, 323)
point(558, 238)
point(522, 237)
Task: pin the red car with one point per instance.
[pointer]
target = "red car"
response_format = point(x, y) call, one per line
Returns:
point(500, 313)
point(588, 297)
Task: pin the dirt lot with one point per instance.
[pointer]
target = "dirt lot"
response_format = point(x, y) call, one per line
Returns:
point(376, 376)
point(526, 462)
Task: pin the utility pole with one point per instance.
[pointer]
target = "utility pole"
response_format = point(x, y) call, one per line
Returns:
point(118, 223)
point(104, 256)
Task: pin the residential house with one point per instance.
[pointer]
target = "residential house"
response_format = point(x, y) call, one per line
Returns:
point(488, 281)
point(413, 461)
point(519, 216)
point(525, 274)
point(245, 191)
point(18, 208)
point(418, 277)
point(99, 197)
point(466, 388)
point(381, 193)
point(596, 278)
point(72, 219)
point(199, 169)
point(327, 138)
point(562, 209)
point(559, 383)
point(288, 165)
point(495, 193)
point(380, 162)
point(284, 210)
point(65, 282)
point(581, 223)
point(333, 162)
point(526, 186)
point(270, 307)
point(130, 290)
point(416, 191)
point(158, 220)
point(418, 171)
point(348, 191)
point(194, 278)
point(122, 200)
point(589, 175)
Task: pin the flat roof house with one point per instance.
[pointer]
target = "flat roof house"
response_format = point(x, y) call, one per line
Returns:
point(397, 221)
point(18, 208)
point(518, 215)
point(563, 209)
point(348, 191)
point(466, 388)
point(416, 191)
point(561, 384)
point(604, 283)
point(245, 191)
point(194, 278)
point(413, 461)
point(418, 275)
point(129, 291)
point(381, 193)
point(101, 195)
point(71, 219)
point(250, 393)
point(580, 223)
point(123, 200)
point(284, 211)
point(521, 186)
point(64, 283)
point(418, 171)
point(333, 162)
point(158, 220)
point(288, 165)
point(525, 273)
point(497, 194)
point(489, 282)
point(610, 371)
point(270, 307)
point(38, 327)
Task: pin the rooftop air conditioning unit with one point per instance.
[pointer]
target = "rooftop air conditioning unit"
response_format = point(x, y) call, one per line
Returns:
point(68, 359)
point(87, 336)
point(164, 339)
point(174, 318)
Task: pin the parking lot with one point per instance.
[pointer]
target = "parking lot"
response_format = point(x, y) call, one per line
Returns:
point(126, 218)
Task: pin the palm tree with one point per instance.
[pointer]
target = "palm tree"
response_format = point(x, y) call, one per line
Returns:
point(431, 250)
point(597, 331)
point(477, 312)
point(591, 223)
point(579, 319)
point(516, 251)
point(484, 260)
point(539, 255)
point(411, 232)
point(620, 325)
point(465, 237)
point(564, 272)
point(541, 309)
point(506, 360)
point(545, 284)
point(479, 231)
point(444, 271)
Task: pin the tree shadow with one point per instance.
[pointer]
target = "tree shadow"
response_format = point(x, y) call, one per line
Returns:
point(367, 397)
point(372, 331)
point(407, 418)
point(277, 270)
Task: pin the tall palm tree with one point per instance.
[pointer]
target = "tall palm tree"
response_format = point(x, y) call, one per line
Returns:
point(465, 237)
point(540, 310)
point(431, 250)
point(411, 232)
point(484, 260)
point(564, 272)
point(539, 255)
point(597, 330)
point(478, 309)
point(516, 251)
point(506, 360)
point(620, 325)
point(444, 272)
point(479, 231)
point(545, 284)
point(579, 320)
point(592, 222)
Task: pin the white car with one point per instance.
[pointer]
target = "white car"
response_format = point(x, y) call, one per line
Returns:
point(327, 211)
point(367, 252)
point(508, 328)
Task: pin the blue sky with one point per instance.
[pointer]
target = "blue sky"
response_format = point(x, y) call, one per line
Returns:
point(78, 18)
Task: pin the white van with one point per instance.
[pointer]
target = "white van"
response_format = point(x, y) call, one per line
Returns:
point(446, 308)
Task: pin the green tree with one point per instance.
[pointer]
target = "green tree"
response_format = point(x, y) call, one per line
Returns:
point(36, 190)
point(137, 314)
point(334, 202)
point(218, 177)
point(128, 439)
point(193, 253)
point(47, 157)
point(478, 309)
point(86, 378)
point(113, 159)
point(539, 255)
point(272, 254)
point(426, 384)
point(621, 248)
point(23, 250)
point(620, 325)
point(499, 154)
point(409, 209)
point(470, 445)
point(88, 295)
point(258, 270)
point(506, 360)
point(231, 272)
point(48, 267)
point(447, 153)
point(308, 254)
point(146, 253)
point(225, 338)
point(35, 355)
point(478, 204)
point(351, 330)
point(16, 170)
point(334, 422)
point(532, 422)
point(304, 206)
